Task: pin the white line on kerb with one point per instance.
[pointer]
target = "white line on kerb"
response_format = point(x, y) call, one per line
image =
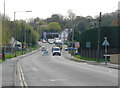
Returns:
point(34, 69)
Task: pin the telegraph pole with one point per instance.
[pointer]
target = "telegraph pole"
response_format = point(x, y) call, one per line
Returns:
point(37, 35)
point(3, 50)
point(98, 48)
point(72, 38)
point(15, 34)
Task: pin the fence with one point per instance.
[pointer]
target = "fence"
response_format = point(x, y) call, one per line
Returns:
point(92, 53)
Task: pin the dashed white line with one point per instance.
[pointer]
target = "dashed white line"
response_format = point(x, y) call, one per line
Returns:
point(34, 69)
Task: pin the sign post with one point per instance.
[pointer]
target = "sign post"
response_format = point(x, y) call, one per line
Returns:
point(77, 45)
point(88, 45)
point(105, 43)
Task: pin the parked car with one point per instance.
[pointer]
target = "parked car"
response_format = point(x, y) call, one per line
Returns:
point(56, 51)
point(70, 49)
point(43, 48)
point(44, 41)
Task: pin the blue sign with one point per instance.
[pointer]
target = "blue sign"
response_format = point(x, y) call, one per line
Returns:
point(87, 44)
point(44, 35)
point(52, 33)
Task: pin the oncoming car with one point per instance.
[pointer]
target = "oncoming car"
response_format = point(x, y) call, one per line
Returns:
point(56, 51)
point(43, 48)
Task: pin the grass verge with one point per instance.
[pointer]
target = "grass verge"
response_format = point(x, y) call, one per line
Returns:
point(89, 59)
point(8, 56)
point(0, 61)
point(77, 60)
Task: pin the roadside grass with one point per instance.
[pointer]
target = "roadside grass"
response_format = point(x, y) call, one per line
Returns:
point(77, 60)
point(0, 61)
point(8, 56)
point(89, 59)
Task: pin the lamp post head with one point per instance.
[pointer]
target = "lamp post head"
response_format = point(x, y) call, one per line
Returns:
point(29, 11)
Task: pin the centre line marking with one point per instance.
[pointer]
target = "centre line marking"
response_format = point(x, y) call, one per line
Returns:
point(34, 69)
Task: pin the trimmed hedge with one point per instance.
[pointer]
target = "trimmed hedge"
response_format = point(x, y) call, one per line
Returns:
point(91, 35)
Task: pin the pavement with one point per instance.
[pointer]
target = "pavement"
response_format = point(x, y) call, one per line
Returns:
point(109, 65)
point(8, 70)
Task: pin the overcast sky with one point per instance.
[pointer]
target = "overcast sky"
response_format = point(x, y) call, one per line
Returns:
point(45, 8)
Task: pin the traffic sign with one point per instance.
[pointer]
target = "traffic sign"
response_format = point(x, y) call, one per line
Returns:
point(88, 44)
point(105, 42)
point(44, 35)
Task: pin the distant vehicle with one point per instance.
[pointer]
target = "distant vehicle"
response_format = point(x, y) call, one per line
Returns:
point(70, 49)
point(55, 39)
point(59, 44)
point(43, 48)
point(50, 41)
point(56, 51)
point(58, 41)
point(44, 41)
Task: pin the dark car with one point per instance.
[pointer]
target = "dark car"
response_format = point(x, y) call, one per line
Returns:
point(43, 48)
point(70, 49)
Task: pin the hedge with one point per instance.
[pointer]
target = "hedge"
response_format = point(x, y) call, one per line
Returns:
point(91, 35)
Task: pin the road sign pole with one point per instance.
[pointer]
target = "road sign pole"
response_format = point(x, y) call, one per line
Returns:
point(105, 54)
point(105, 43)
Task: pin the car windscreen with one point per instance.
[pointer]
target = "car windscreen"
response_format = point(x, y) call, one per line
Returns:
point(56, 49)
point(59, 44)
point(43, 48)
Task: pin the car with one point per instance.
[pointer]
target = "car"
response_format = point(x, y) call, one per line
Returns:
point(59, 45)
point(70, 49)
point(43, 41)
point(66, 49)
point(51, 42)
point(56, 51)
point(43, 48)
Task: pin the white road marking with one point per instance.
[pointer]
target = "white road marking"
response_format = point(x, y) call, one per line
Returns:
point(110, 71)
point(21, 76)
point(34, 69)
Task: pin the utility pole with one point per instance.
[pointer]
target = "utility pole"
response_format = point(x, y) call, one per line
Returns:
point(98, 48)
point(4, 8)
point(3, 51)
point(25, 38)
point(68, 38)
point(72, 38)
point(37, 34)
point(64, 36)
point(15, 34)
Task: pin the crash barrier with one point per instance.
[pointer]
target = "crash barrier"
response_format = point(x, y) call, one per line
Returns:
point(115, 58)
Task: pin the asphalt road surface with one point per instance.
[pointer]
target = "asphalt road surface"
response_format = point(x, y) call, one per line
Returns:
point(38, 70)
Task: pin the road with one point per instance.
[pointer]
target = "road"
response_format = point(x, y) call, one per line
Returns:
point(38, 70)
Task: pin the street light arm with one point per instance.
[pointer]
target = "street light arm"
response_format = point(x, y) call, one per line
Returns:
point(24, 11)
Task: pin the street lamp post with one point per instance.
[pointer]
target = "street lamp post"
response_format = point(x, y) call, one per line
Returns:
point(15, 28)
point(37, 34)
point(98, 48)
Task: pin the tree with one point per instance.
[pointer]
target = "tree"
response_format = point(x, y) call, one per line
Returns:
point(54, 26)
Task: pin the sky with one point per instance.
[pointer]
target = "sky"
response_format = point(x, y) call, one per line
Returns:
point(45, 8)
